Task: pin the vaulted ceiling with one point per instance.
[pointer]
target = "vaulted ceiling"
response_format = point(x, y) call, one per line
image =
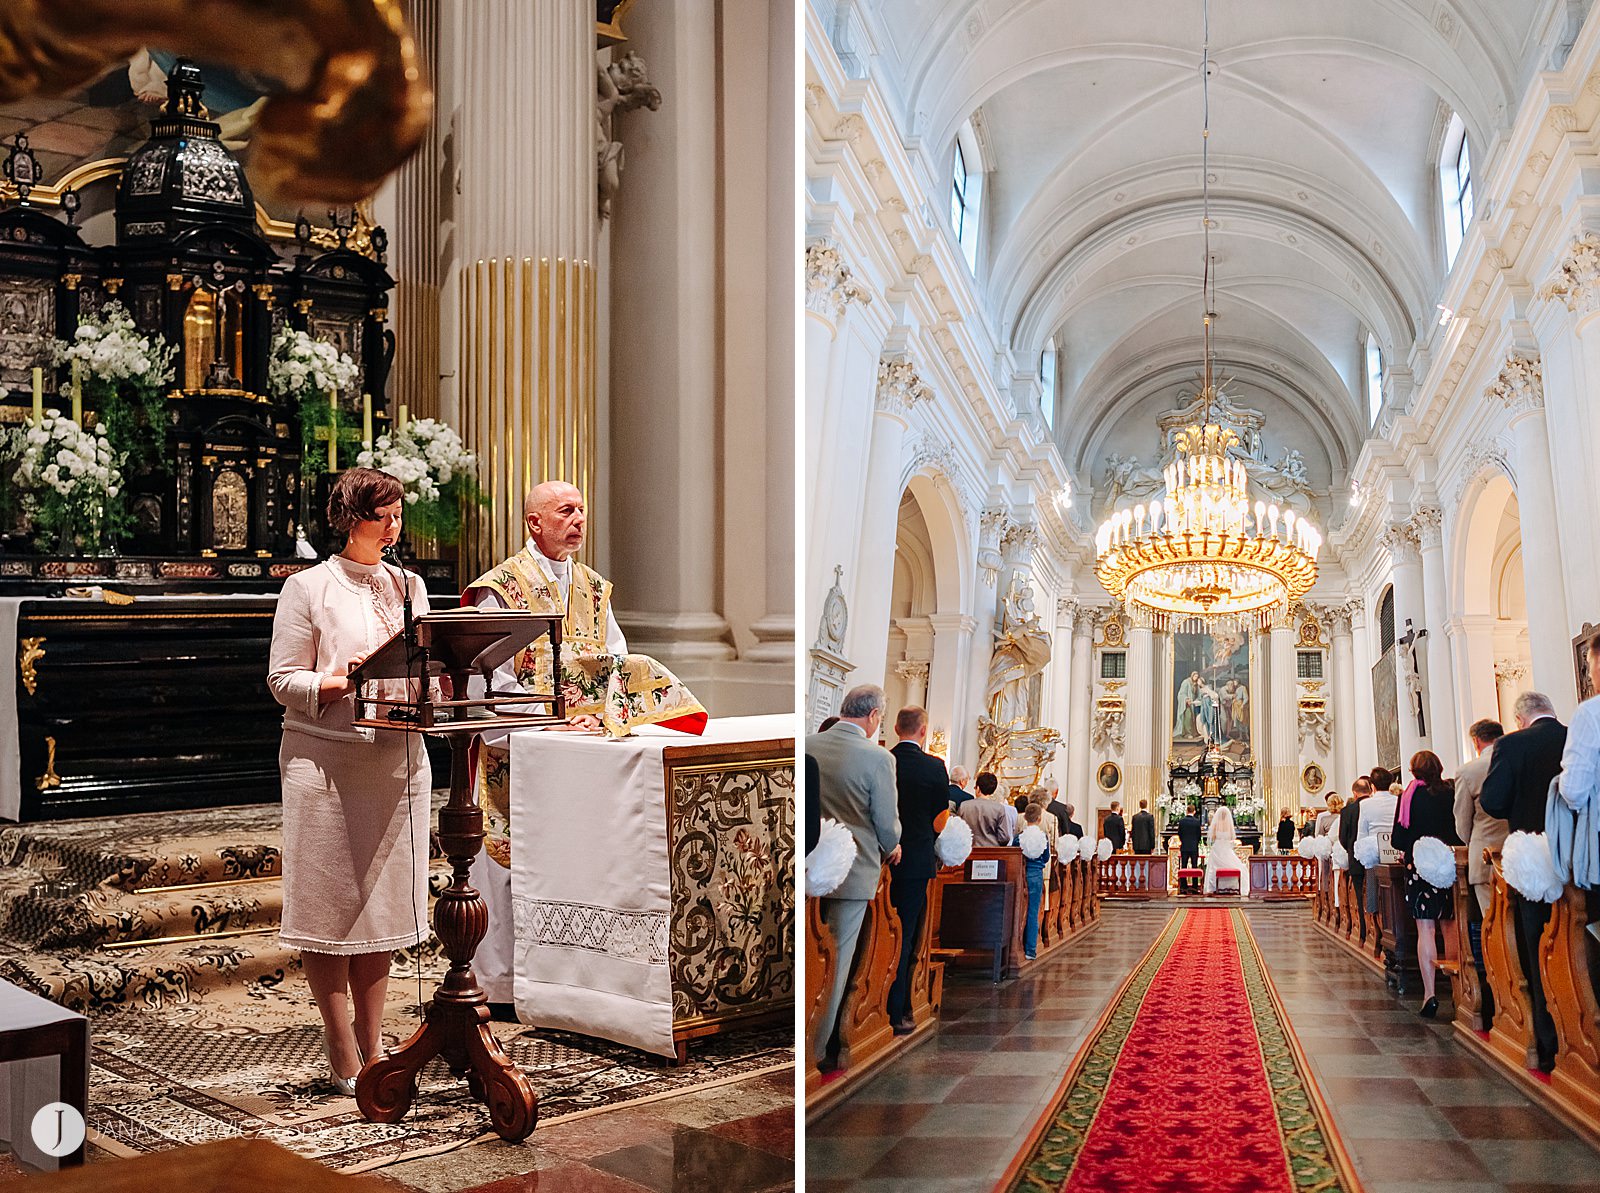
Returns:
point(1327, 119)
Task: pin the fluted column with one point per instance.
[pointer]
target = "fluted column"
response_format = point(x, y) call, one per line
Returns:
point(1445, 729)
point(1344, 696)
point(1406, 560)
point(1361, 635)
point(993, 524)
point(1078, 778)
point(1520, 388)
point(1572, 442)
point(1283, 781)
point(525, 282)
point(899, 391)
point(1141, 708)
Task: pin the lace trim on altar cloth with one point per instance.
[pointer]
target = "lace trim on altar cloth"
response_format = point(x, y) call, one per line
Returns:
point(638, 936)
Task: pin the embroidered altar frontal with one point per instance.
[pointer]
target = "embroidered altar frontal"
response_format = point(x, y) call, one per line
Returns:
point(652, 880)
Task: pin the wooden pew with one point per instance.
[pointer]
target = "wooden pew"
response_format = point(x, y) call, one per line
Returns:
point(1511, 1036)
point(1570, 995)
point(1466, 990)
point(822, 959)
point(864, 1027)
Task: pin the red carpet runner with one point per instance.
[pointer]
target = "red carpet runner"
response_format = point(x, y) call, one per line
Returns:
point(1192, 1081)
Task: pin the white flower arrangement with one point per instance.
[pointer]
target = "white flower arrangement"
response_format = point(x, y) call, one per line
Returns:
point(300, 365)
point(1033, 841)
point(829, 863)
point(424, 457)
point(1338, 855)
point(1435, 862)
point(109, 348)
point(1067, 848)
point(1366, 850)
point(1103, 849)
point(69, 478)
point(1529, 870)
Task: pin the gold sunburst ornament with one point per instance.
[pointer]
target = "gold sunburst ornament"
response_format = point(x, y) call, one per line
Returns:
point(1206, 550)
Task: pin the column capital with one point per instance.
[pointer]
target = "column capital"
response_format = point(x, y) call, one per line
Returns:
point(1576, 280)
point(1342, 617)
point(830, 287)
point(912, 670)
point(1510, 670)
point(1401, 543)
point(1520, 385)
point(992, 526)
point(1427, 524)
point(899, 387)
point(1019, 541)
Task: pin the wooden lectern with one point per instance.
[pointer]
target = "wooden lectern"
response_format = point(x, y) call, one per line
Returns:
point(456, 643)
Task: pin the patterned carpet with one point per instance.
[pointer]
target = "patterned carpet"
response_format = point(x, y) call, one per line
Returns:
point(1192, 1081)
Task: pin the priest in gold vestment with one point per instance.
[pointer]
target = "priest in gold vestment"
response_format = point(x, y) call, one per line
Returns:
point(607, 690)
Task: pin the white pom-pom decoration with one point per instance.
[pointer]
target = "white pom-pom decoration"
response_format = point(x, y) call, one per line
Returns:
point(1435, 862)
point(1103, 850)
point(1366, 851)
point(1317, 847)
point(1033, 841)
point(1525, 860)
point(1067, 848)
point(829, 863)
point(954, 843)
point(1307, 847)
point(1338, 854)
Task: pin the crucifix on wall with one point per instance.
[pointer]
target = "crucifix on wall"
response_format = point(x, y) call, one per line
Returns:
point(1413, 676)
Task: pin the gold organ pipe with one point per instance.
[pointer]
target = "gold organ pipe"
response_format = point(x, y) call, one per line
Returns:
point(544, 369)
point(530, 430)
point(562, 382)
point(508, 414)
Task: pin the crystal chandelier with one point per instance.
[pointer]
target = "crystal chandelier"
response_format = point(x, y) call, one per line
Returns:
point(1206, 550)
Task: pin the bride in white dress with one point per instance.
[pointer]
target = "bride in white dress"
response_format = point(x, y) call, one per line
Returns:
point(1222, 854)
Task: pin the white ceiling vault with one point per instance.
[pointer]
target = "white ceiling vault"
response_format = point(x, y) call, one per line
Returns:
point(1326, 121)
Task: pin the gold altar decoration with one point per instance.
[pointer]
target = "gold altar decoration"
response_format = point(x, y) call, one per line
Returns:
point(354, 104)
point(1205, 551)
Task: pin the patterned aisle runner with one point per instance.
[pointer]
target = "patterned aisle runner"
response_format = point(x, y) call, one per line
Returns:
point(1191, 1081)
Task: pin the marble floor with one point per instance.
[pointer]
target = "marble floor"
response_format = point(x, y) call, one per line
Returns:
point(736, 1138)
point(1418, 1113)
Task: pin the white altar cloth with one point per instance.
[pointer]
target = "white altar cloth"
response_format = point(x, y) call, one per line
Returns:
point(591, 889)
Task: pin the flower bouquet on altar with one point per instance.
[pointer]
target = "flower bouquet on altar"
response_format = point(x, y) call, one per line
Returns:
point(311, 373)
point(124, 375)
point(438, 472)
point(69, 480)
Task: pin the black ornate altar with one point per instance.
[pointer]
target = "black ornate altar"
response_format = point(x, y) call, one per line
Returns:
point(1209, 769)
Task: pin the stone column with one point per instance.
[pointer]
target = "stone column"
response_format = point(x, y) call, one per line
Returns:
point(899, 390)
point(993, 524)
point(1472, 646)
point(1406, 563)
point(1520, 388)
point(1361, 635)
point(1141, 689)
point(525, 283)
point(1078, 780)
point(1283, 782)
point(952, 643)
point(1344, 695)
point(1445, 728)
point(1058, 710)
point(914, 673)
point(1571, 447)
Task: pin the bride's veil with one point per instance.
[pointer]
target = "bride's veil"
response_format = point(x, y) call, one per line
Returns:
point(1221, 824)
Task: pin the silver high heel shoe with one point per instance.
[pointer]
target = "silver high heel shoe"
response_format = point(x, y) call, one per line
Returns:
point(345, 1085)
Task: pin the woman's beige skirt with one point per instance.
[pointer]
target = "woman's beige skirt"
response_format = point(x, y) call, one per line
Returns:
point(355, 850)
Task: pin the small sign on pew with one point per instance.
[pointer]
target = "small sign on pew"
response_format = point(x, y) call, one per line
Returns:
point(983, 869)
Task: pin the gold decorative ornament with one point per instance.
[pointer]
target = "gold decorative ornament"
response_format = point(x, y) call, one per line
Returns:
point(28, 663)
point(355, 103)
point(71, 280)
point(49, 779)
point(111, 285)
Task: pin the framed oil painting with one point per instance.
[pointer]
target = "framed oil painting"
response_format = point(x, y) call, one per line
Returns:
point(1211, 695)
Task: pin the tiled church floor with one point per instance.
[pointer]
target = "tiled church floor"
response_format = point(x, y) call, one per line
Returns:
point(1418, 1113)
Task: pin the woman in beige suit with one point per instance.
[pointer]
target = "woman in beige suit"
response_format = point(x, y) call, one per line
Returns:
point(355, 802)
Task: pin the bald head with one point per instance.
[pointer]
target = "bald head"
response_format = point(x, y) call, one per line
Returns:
point(555, 516)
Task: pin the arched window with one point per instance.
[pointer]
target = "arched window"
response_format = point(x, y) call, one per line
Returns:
point(1455, 186)
point(1386, 620)
point(1047, 382)
point(1374, 376)
point(966, 195)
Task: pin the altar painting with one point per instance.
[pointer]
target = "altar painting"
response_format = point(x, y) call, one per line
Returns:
point(1211, 691)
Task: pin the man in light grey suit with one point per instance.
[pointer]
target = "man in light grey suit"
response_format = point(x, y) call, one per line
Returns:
point(857, 788)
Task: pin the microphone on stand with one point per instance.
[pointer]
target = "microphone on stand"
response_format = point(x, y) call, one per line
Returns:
point(391, 555)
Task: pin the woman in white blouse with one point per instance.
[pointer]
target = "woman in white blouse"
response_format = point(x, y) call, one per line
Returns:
point(355, 802)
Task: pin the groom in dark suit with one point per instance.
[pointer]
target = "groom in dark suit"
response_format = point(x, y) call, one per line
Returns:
point(1189, 843)
point(1144, 829)
point(924, 792)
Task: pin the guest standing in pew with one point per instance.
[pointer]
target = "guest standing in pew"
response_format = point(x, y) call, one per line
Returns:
point(1476, 827)
point(1516, 790)
point(1377, 815)
point(1034, 872)
point(1426, 810)
point(1059, 810)
point(959, 778)
point(1144, 829)
point(1072, 826)
point(857, 783)
point(1580, 790)
point(924, 792)
point(355, 802)
point(1285, 831)
point(1114, 830)
point(1349, 822)
point(987, 815)
point(1189, 831)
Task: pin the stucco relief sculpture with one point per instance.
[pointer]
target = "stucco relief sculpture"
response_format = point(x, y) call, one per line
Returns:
point(623, 86)
point(1108, 731)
